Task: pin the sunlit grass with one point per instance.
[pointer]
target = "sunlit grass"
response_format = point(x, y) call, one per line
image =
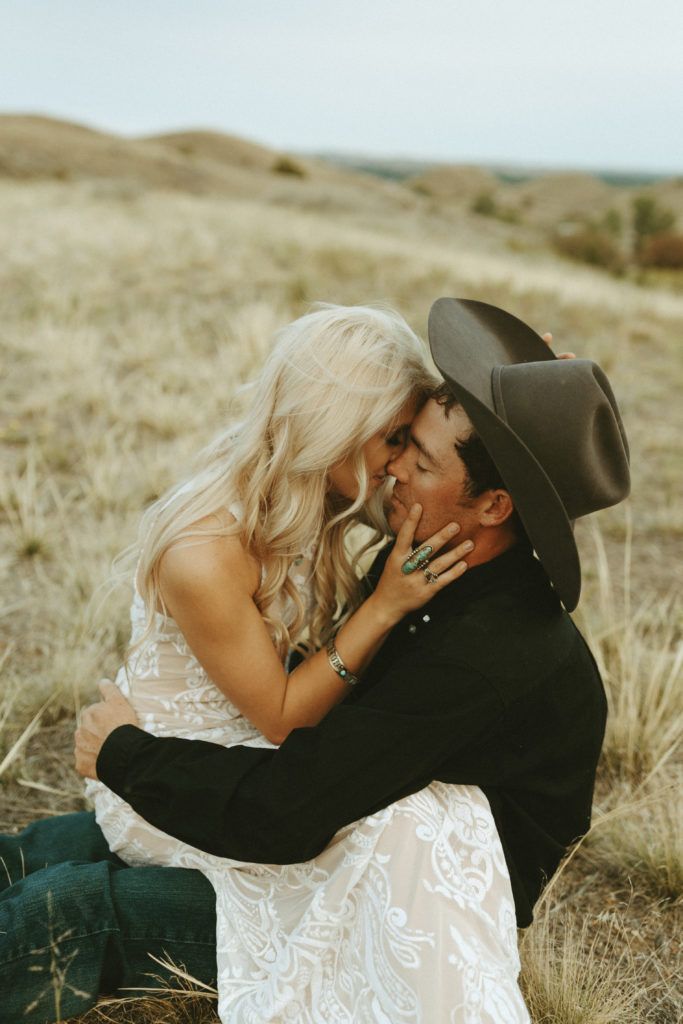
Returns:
point(636, 638)
point(129, 322)
point(641, 847)
point(577, 970)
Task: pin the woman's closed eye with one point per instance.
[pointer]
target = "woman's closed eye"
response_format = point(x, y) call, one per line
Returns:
point(398, 438)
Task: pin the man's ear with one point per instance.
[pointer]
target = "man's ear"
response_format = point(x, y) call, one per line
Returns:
point(496, 507)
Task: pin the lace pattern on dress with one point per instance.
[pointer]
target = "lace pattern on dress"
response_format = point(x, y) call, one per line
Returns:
point(406, 917)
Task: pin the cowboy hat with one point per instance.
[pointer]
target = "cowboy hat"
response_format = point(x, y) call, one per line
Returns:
point(551, 426)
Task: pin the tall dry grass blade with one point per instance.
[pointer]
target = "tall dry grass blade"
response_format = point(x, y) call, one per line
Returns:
point(9, 694)
point(43, 788)
point(179, 972)
point(9, 609)
point(25, 736)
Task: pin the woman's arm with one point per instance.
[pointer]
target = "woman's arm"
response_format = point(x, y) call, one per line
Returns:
point(209, 589)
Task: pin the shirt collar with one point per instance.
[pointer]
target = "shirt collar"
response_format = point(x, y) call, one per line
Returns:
point(514, 568)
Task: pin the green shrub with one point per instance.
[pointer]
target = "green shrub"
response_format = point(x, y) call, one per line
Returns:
point(613, 222)
point(589, 244)
point(485, 205)
point(664, 250)
point(649, 218)
point(287, 165)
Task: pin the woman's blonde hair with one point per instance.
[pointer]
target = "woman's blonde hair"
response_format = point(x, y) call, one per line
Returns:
point(334, 378)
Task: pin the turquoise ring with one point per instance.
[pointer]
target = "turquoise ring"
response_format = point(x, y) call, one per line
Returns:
point(417, 559)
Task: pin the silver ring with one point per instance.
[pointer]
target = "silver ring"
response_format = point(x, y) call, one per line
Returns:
point(430, 576)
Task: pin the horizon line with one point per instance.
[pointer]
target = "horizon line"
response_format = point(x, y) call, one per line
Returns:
point(501, 164)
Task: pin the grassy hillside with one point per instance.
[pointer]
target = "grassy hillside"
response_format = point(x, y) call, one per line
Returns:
point(132, 307)
point(196, 162)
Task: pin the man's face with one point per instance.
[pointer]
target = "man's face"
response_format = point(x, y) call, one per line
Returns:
point(430, 471)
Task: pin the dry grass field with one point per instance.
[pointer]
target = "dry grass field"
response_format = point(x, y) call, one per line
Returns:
point(134, 303)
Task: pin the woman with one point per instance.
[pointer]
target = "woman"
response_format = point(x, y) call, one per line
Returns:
point(247, 561)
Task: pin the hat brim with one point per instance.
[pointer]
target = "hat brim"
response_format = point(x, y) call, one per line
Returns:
point(536, 501)
point(468, 339)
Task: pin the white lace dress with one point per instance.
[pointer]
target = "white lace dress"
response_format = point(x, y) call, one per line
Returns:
point(406, 916)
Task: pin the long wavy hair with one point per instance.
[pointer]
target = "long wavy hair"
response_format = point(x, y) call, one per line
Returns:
point(334, 378)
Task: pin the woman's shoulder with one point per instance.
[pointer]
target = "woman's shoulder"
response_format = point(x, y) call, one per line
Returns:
point(205, 557)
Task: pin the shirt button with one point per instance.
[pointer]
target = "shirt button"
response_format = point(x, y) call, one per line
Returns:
point(426, 618)
point(412, 629)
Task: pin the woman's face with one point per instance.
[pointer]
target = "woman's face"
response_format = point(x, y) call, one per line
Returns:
point(377, 453)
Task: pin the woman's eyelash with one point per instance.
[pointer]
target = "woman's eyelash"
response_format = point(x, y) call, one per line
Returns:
point(399, 436)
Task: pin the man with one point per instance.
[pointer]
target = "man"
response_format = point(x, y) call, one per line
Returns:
point(491, 685)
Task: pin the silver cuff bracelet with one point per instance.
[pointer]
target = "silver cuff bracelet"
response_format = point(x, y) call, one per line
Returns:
point(338, 665)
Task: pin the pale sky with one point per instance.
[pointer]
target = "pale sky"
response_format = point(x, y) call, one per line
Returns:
point(574, 83)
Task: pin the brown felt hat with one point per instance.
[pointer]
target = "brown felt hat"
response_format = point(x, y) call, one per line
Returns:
point(551, 426)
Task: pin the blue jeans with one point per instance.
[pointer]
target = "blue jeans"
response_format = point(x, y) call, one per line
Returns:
point(75, 921)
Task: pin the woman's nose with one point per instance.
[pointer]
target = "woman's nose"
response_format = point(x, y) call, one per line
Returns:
point(395, 465)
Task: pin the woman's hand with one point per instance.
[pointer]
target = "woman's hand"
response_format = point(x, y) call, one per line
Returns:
point(398, 592)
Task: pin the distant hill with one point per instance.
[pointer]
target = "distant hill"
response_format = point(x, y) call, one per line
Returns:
point(216, 163)
point(222, 148)
point(551, 198)
point(539, 198)
point(42, 147)
point(454, 182)
point(32, 146)
point(195, 161)
point(670, 193)
point(400, 168)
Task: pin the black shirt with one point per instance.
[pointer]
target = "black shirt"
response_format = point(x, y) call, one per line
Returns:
point(490, 684)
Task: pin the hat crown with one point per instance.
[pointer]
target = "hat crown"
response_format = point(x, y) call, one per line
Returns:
point(565, 413)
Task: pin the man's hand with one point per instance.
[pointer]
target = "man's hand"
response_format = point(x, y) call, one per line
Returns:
point(97, 722)
point(548, 339)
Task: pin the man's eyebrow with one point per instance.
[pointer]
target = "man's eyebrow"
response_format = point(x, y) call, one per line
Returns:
point(425, 451)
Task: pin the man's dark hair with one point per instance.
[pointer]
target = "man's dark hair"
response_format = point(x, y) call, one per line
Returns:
point(482, 473)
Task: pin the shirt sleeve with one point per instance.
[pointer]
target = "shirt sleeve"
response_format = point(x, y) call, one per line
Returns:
point(283, 806)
